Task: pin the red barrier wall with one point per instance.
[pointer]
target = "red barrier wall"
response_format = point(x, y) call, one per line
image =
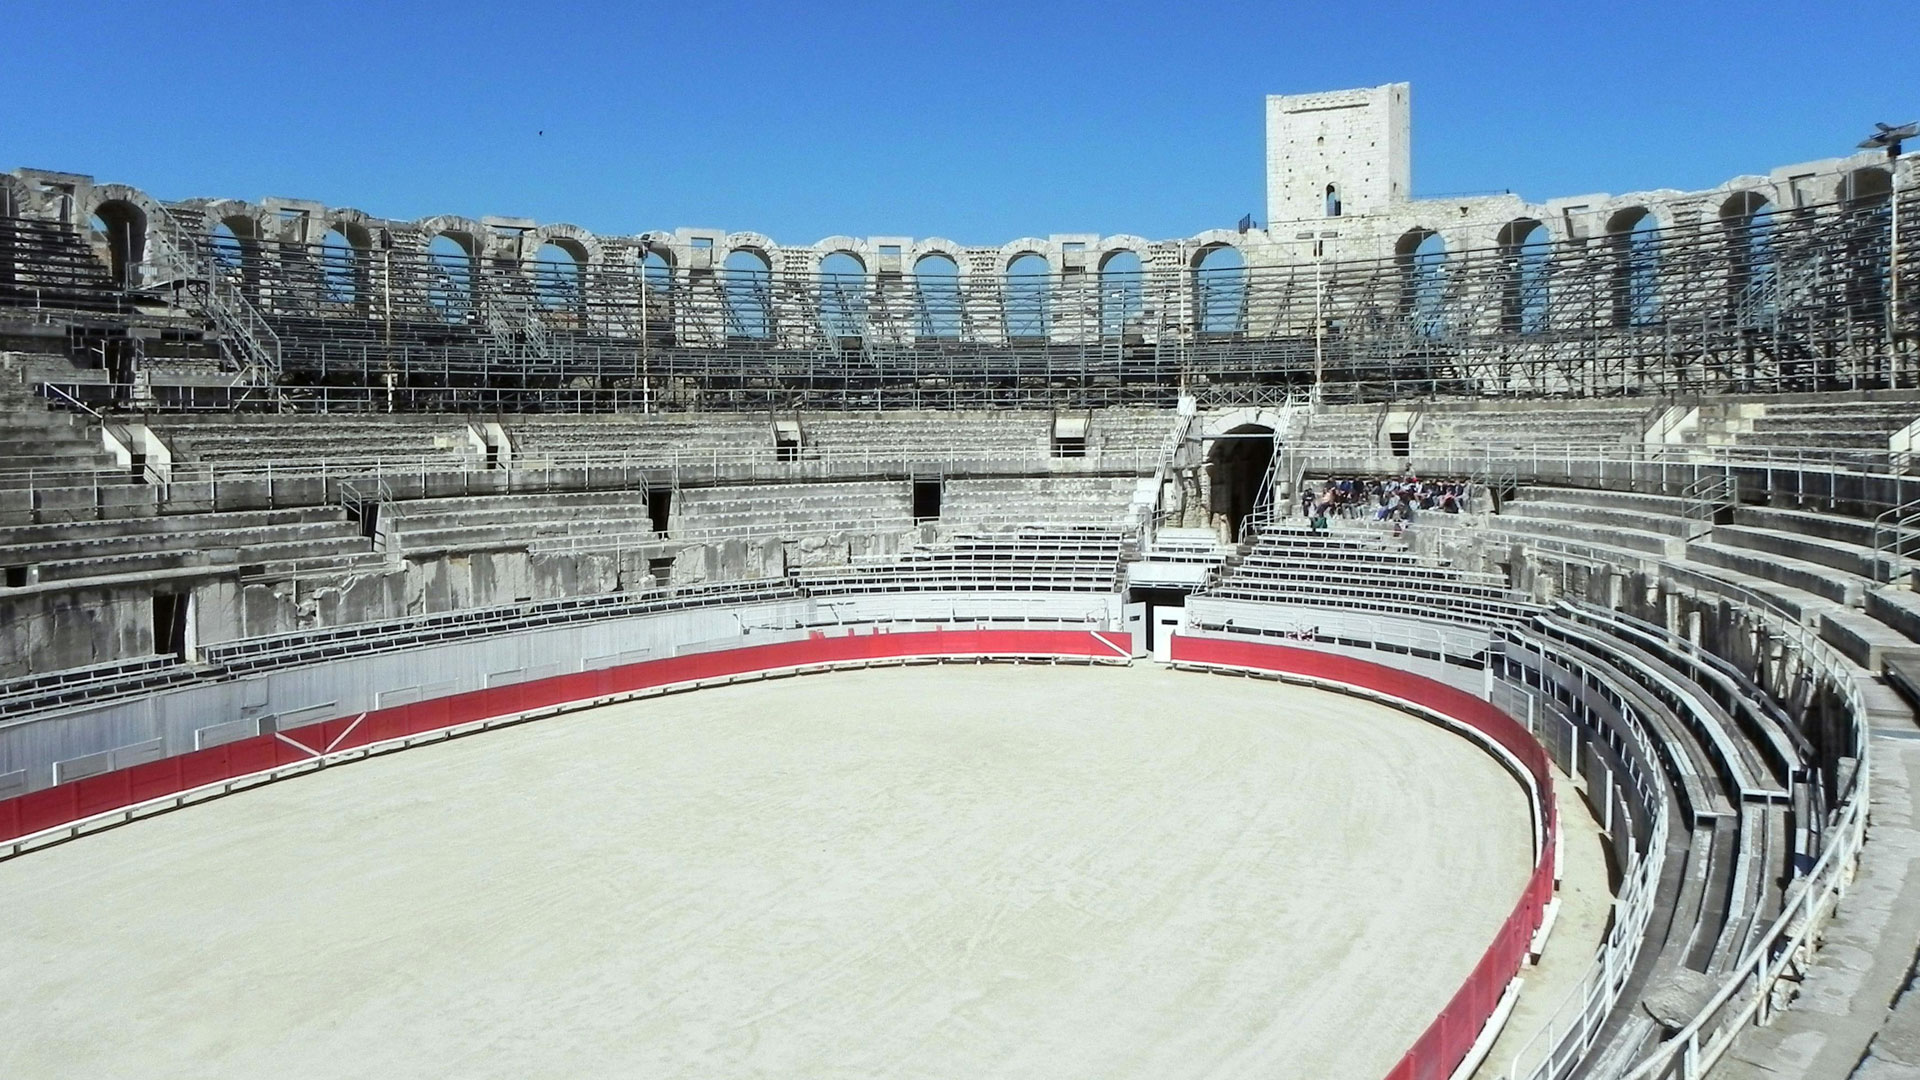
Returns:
point(1446, 1042)
point(69, 802)
point(1439, 1049)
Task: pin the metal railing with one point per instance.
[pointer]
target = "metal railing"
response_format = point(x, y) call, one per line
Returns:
point(1896, 538)
point(1573, 1028)
point(1708, 498)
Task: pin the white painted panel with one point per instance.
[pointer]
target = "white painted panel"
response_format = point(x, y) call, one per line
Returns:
point(221, 734)
point(1136, 623)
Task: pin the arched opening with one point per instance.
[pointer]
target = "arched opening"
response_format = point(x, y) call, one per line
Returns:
point(1747, 218)
point(747, 279)
point(1865, 187)
point(936, 280)
point(656, 287)
point(1028, 279)
point(450, 258)
point(1237, 466)
point(121, 228)
point(843, 295)
point(1634, 235)
point(557, 276)
point(1865, 235)
point(1525, 255)
point(656, 269)
point(1422, 256)
point(235, 243)
point(1122, 297)
point(1333, 200)
point(339, 268)
point(1220, 290)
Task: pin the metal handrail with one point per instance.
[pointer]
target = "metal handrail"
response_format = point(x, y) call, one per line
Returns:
point(71, 401)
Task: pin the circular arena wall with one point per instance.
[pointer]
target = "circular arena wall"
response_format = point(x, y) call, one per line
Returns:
point(1049, 869)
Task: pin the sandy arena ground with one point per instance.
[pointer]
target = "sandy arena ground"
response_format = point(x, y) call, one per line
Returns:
point(956, 872)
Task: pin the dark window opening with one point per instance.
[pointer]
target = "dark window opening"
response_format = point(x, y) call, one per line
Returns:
point(1400, 443)
point(493, 456)
point(16, 577)
point(137, 468)
point(170, 624)
point(926, 500)
point(785, 448)
point(662, 571)
point(659, 508)
point(1333, 200)
point(1069, 446)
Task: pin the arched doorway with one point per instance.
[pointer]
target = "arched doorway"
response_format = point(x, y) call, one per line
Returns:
point(1237, 467)
point(121, 228)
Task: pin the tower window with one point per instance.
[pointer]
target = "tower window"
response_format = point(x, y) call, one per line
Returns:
point(1333, 200)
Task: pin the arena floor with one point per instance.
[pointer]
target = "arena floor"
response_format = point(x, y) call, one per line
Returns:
point(959, 872)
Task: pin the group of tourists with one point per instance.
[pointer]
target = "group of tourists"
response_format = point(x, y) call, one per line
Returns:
point(1396, 499)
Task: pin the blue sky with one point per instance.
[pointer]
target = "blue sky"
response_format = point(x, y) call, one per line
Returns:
point(981, 122)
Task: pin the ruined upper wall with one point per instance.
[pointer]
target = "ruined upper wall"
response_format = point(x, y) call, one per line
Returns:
point(1356, 140)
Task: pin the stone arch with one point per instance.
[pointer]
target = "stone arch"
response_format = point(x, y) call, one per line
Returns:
point(746, 273)
point(752, 241)
point(1525, 245)
point(842, 275)
point(361, 230)
point(473, 237)
point(1218, 275)
point(558, 269)
point(450, 251)
point(586, 248)
point(1743, 204)
point(939, 245)
point(1238, 458)
point(133, 220)
point(1746, 218)
point(1027, 277)
point(1201, 245)
point(17, 198)
point(656, 262)
point(1633, 235)
point(1421, 256)
point(1218, 424)
point(342, 262)
point(1121, 270)
point(938, 268)
point(1868, 186)
point(119, 231)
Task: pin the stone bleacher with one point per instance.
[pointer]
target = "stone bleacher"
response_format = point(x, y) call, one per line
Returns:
point(656, 436)
point(1129, 431)
point(1367, 571)
point(1583, 426)
point(1859, 425)
point(343, 443)
point(1014, 560)
point(1343, 428)
point(486, 522)
point(1064, 499)
point(934, 436)
point(791, 509)
point(1819, 568)
point(54, 465)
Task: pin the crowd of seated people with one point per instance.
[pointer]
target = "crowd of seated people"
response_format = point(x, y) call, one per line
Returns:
point(1395, 499)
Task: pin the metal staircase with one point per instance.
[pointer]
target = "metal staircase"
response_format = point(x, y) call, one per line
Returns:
point(248, 344)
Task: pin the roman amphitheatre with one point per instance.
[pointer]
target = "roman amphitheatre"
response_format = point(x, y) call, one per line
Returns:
point(1414, 638)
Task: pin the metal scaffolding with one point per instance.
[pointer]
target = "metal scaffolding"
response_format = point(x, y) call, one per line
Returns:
point(1769, 300)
